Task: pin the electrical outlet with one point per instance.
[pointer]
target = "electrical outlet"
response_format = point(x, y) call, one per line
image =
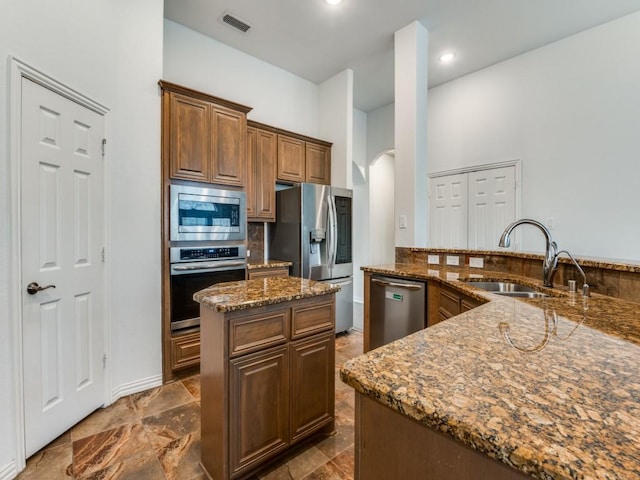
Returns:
point(453, 260)
point(476, 262)
point(452, 276)
point(433, 259)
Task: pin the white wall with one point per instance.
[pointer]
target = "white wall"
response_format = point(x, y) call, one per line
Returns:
point(112, 52)
point(570, 111)
point(380, 131)
point(335, 122)
point(278, 98)
point(360, 238)
point(381, 210)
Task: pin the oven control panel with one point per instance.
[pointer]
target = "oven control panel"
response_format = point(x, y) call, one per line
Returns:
point(193, 254)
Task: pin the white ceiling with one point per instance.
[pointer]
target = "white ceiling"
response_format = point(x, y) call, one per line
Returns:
point(316, 41)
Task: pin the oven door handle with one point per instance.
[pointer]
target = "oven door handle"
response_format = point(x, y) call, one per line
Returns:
point(206, 266)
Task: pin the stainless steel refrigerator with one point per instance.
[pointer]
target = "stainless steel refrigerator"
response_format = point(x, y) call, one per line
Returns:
point(313, 231)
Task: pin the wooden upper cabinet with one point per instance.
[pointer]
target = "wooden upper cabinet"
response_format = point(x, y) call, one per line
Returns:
point(204, 137)
point(261, 179)
point(291, 159)
point(189, 125)
point(318, 163)
point(228, 146)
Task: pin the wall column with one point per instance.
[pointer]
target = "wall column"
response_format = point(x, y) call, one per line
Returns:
point(411, 50)
point(335, 123)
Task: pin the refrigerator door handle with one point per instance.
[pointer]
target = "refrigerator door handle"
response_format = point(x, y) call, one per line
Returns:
point(333, 240)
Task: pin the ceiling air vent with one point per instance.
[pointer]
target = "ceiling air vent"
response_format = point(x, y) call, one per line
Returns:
point(235, 22)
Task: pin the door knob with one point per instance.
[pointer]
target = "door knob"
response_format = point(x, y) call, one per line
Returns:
point(34, 288)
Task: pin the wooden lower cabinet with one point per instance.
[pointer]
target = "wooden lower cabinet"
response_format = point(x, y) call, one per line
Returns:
point(267, 272)
point(312, 384)
point(259, 387)
point(445, 302)
point(262, 389)
point(390, 445)
point(185, 351)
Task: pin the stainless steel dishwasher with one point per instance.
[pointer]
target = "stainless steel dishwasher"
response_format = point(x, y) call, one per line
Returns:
point(398, 308)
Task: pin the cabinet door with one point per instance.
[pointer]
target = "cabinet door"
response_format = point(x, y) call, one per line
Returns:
point(228, 146)
point(189, 144)
point(258, 407)
point(449, 303)
point(291, 159)
point(266, 153)
point(312, 384)
point(252, 175)
point(318, 164)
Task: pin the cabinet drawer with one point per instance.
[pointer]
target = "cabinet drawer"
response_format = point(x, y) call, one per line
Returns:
point(249, 334)
point(449, 303)
point(185, 351)
point(307, 320)
point(268, 272)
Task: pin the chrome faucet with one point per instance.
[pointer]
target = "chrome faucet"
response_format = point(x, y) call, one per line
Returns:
point(585, 285)
point(550, 263)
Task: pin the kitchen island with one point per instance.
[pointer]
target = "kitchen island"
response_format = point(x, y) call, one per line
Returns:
point(544, 388)
point(267, 370)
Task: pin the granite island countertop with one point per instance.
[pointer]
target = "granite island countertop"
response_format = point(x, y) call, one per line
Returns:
point(231, 296)
point(549, 386)
point(254, 263)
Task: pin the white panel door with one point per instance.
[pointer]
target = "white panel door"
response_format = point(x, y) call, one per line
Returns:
point(491, 206)
point(61, 240)
point(448, 211)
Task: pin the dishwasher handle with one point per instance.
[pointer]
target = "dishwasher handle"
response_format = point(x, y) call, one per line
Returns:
point(408, 286)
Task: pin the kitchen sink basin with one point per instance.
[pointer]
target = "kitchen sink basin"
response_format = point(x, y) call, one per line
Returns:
point(509, 289)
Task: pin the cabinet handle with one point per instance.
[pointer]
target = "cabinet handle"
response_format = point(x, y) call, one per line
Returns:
point(397, 285)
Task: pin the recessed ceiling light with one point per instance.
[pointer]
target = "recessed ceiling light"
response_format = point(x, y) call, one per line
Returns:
point(447, 57)
point(333, 2)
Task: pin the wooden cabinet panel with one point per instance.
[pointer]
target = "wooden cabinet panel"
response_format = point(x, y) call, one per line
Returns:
point(185, 351)
point(252, 176)
point(291, 159)
point(188, 133)
point(259, 385)
point(307, 320)
point(261, 182)
point(318, 163)
point(449, 303)
point(312, 383)
point(257, 332)
point(445, 302)
point(229, 139)
point(268, 272)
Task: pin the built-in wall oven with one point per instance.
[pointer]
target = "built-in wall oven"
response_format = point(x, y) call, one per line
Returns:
point(194, 268)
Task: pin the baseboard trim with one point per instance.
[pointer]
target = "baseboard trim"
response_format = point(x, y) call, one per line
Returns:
point(9, 471)
point(136, 386)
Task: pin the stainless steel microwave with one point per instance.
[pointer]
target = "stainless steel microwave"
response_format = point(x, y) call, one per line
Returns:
point(200, 213)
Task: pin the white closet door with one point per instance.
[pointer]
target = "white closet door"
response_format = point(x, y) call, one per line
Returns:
point(448, 208)
point(491, 206)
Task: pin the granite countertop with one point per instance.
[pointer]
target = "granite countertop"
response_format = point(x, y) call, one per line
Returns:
point(255, 263)
point(549, 386)
point(231, 296)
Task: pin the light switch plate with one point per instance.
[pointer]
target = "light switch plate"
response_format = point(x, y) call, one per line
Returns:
point(403, 221)
point(476, 262)
point(433, 259)
point(453, 260)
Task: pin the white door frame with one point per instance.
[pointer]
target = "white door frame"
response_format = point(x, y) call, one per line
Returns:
point(517, 164)
point(17, 71)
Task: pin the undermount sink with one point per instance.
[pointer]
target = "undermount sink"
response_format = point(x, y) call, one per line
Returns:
point(509, 289)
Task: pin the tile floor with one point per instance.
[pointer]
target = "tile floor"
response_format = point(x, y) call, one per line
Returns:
point(156, 435)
